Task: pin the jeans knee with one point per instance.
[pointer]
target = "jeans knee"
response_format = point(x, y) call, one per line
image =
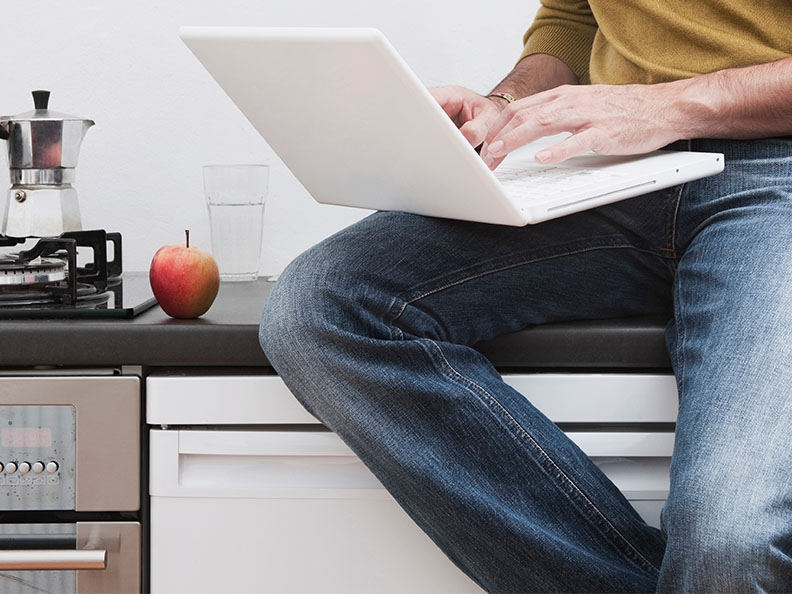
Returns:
point(319, 320)
point(289, 318)
point(325, 295)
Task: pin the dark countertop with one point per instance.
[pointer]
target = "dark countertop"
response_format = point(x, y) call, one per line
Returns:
point(227, 336)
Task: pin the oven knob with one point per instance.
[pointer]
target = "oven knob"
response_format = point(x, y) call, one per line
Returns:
point(1, 467)
point(24, 467)
point(38, 467)
point(11, 467)
point(52, 467)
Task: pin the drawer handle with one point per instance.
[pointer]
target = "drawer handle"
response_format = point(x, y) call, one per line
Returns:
point(55, 559)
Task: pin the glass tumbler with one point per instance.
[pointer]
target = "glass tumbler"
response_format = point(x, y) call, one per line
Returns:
point(235, 196)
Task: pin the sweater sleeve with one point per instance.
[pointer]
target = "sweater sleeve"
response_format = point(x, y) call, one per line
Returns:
point(564, 29)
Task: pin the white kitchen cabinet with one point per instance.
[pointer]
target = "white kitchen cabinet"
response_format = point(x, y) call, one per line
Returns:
point(250, 494)
point(259, 511)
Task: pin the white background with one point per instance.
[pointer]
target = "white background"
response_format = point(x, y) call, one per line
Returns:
point(160, 116)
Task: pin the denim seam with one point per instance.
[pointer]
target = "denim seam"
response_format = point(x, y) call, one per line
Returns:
point(679, 321)
point(545, 455)
point(448, 285)
point(396, 301)
point(671, 231)
point(675, 219)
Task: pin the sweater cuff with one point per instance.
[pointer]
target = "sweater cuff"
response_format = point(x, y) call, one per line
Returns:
point(568, 45)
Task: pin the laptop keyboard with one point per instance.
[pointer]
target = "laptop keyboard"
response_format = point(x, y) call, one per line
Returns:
point(547, 182)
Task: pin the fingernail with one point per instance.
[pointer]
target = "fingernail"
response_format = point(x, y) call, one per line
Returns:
point(543, 156)
point(488, 161)
point(495, 147)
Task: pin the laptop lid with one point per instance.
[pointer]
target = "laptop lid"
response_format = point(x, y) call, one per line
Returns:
point(357, 128)
point(351, 121)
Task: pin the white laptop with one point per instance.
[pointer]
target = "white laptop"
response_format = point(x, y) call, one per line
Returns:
point(356, 126)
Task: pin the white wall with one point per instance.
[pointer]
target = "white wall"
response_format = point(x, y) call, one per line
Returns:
point(160, 117)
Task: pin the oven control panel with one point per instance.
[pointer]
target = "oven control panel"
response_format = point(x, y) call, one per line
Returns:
point(37, 457)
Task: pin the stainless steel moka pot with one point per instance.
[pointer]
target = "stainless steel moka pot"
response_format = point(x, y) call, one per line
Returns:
point(42, 153)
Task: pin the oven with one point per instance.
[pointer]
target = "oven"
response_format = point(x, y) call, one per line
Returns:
point(70, 483)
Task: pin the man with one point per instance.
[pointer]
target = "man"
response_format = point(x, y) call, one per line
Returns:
point(371, 329)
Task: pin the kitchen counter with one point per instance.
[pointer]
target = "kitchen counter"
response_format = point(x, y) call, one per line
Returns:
point(227, 336)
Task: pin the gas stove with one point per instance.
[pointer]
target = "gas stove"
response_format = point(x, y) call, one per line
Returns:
point(48, 281)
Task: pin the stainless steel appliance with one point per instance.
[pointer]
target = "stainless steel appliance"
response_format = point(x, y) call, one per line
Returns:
point(43, 147)
point(70, 484)
point(47, 279)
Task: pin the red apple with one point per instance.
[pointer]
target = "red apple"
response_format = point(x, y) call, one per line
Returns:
point(184, 279)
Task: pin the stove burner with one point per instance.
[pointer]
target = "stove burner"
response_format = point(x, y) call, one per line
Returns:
point(48, 272)
point(15, 272)
point(35, 298)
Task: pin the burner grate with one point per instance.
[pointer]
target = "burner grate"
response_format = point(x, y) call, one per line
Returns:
point(49, 269)
point(35, 298)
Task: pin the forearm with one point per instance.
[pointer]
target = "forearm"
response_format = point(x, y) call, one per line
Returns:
point(750, 102)
point(534, 74)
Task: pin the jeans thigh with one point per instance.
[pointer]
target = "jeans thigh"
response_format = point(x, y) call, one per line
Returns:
point(466, 282)
point(729, 513)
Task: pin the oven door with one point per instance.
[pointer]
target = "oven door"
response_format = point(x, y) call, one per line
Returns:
point(70, 443)
point(70, 484)
point(82, 557)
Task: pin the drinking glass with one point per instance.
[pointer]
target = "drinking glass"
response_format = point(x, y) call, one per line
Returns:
point(235, 196)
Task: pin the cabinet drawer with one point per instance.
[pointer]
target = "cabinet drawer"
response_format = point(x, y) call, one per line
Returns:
point(262, 400)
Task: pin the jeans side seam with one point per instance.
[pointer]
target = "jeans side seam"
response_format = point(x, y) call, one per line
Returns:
point(679, 351)
point(672, 246)
point(673, 226)
point(590, 504)
point(395, 316)
point(679, 321)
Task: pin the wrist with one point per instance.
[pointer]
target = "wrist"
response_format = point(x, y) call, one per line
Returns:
point(499, 102)
point(507, 97)
point(690, 106)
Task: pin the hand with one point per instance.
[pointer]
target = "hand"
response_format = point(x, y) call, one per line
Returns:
point(606, 119)
point(472, 113)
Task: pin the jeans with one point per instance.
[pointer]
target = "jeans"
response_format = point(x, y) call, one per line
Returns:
point(372, 331)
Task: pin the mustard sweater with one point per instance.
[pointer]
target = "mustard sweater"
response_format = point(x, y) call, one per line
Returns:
point(649, 41)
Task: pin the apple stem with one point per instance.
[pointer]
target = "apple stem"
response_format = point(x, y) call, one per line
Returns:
point(187, 235)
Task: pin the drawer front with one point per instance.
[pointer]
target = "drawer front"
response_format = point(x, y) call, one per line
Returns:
point(564, 398)
point(318, 465)
point(297, 511)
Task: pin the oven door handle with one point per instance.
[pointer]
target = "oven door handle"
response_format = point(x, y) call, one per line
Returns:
point(55, 559)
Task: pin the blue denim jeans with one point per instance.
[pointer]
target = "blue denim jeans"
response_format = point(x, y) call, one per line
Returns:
point(372, 331)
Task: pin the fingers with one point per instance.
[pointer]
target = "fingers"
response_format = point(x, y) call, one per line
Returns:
point(474, 131)
point(449, 99)
point(491, 161)
point(534, 117)
point(472, 113)
point(521, 110)
point(605, 119)
point(528, 125)
point(587, 140)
